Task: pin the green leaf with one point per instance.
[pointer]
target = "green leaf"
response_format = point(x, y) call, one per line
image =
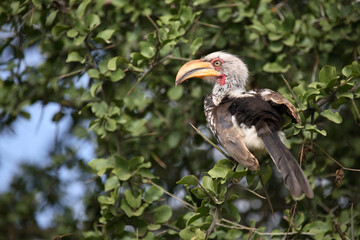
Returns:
point(147, 49)
point(348, 95)
point(153, 194)
point(133, 201)
point(132, 212)
point(95, 88)
point(105, 35)
point(313, 128)
point(327, 73)
point(190, 233)
point(195, 45)
point(347, 71)
point(276, 47)
point(185, 13)
point(199, 193)
point(135, 162)
point(234, 212)
point(101, 165)
point(93, 20)
point(290, 41)
point(50, 19)
point(224, 14)
point(72, 33)
point(79, 40)
point(275, 67)
point(193, 218)
point(175, 93)
point(117, 75)
point(37, 3)
point(204, 210)
point(122, 169)
point(320, 228)
point(81, 9)
point(162, 214)
point(332, 116)
point(112, 64)
point(188, 180)
point(310, 92)
point(221, 169)
point(74, 57)
point(111, 183)
point(300, 90)
point(274, 36)
point(208, 184)
point(106, 200)
point(99, 108)
point(93, 73)
point(110, 124)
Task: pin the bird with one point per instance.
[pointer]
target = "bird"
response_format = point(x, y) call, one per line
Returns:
point(247, 124)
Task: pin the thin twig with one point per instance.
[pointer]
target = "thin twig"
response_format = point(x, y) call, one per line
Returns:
point(152, 22)
point(91, 179)
point(254, 230)
point(172, 227)
point(146, 72)
point(179, 58)
point(267, 196)
point(338, 229)
point(208, 24)
point(173, 196)
point(290, 89)
point(315, 67)
point(211, 143)
point(355, 108)
point(352, 221)
point(223, 5)
point(239, 226)
point(72, 73)
point(158, 160)
point(62, 236)
point(332, 159)
point(251, 191)
point(292, 216)
point(213, 199)
point(214, 222)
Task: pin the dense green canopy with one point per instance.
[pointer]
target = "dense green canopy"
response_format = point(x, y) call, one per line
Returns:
point(154, 177)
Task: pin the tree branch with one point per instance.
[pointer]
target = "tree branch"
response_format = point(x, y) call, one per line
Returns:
point(332, 159)
point(210, 142)
point(186, 204)
point(214, 222)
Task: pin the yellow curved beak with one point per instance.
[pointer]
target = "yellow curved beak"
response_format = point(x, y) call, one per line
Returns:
point(195, 69)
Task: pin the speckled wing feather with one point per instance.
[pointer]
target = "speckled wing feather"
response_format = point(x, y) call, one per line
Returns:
point(280, 103)
point(227, 134)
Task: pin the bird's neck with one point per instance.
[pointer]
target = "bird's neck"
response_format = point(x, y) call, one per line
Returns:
point(227, 90)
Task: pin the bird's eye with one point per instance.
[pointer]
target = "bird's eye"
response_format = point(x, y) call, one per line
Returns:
point(217, 63)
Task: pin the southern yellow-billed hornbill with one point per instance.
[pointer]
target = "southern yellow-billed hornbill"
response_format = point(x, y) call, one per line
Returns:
point(246, 122)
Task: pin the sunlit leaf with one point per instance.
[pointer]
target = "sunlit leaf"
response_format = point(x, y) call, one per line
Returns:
point(162, 214)
point(332, 116)
point(188, 180)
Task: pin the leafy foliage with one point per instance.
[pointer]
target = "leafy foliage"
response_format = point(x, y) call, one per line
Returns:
point(156, 179)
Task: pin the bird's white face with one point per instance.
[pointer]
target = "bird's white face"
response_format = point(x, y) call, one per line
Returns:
point(232, 69)
point(226, 71)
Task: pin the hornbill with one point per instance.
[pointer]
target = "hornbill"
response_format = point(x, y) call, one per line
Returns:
point(246, 123)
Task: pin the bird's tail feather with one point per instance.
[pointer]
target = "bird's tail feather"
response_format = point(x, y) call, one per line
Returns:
point(287, 165)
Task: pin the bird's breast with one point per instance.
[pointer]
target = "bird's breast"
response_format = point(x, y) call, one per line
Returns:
point(252, 141)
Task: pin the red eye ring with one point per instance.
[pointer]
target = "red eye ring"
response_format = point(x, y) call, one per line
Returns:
point(217, 62)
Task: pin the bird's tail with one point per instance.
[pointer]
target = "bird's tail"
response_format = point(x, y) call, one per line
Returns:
point(287, 165)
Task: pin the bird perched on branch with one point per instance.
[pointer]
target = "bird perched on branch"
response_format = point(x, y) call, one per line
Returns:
point(246, 123)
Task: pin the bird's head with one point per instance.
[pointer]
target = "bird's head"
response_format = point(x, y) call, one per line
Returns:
point(226, 71)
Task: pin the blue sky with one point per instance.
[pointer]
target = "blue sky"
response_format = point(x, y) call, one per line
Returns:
point(32, 139)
